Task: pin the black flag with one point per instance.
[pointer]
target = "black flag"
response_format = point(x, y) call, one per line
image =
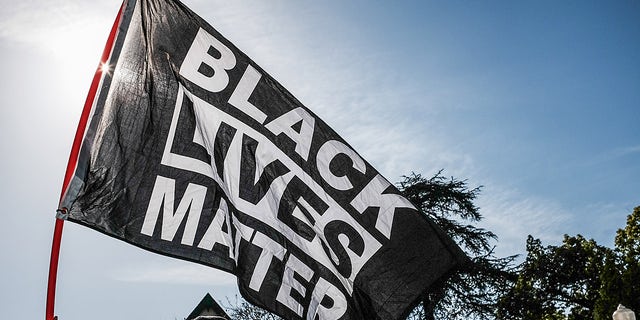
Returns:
point(193, 151)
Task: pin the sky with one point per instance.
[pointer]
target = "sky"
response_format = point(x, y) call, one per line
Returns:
point(538, 102)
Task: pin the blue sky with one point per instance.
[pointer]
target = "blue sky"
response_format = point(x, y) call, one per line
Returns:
point(539, 102)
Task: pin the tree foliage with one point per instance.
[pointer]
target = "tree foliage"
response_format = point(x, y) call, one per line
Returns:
point(623, 274)
point(555, 281)
point(243, 310)
point(578, 279)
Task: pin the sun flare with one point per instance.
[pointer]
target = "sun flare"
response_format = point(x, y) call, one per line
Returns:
point(105, 68)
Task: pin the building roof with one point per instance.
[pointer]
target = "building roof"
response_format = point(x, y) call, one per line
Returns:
point(208, 309)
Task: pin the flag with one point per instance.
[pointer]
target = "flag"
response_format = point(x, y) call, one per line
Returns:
point(193, 151)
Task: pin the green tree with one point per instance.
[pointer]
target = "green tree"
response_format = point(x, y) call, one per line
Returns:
point(557, 282)
point(623, 276)
point(628, 242)
point(578, 279)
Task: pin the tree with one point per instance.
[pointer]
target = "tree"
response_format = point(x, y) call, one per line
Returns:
point(578, 279)
point(622, 276)
point(471, 292)
point(557, 282)
point(628, 245)
point(243, 310)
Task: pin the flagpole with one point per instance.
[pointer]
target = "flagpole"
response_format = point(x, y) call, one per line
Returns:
point(72, 163)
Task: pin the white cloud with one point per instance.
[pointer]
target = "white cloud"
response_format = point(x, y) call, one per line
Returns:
point(512, 216)
point(57, 27)
point(612, 155)
point(624, 151)
point(174, 272)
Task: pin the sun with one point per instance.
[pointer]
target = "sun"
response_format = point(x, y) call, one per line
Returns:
point(105, 68)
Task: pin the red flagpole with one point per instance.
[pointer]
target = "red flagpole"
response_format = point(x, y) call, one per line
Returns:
point(71, 165)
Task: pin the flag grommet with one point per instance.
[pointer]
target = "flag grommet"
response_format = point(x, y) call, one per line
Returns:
point(62, 213)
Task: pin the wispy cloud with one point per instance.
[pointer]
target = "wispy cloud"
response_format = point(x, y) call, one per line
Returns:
point(59, 27)
point(174, 273)
point(621, 152)
point(513, 216)
point(612, 155)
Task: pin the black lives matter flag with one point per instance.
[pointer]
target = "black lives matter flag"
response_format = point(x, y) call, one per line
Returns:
point(193, 151)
